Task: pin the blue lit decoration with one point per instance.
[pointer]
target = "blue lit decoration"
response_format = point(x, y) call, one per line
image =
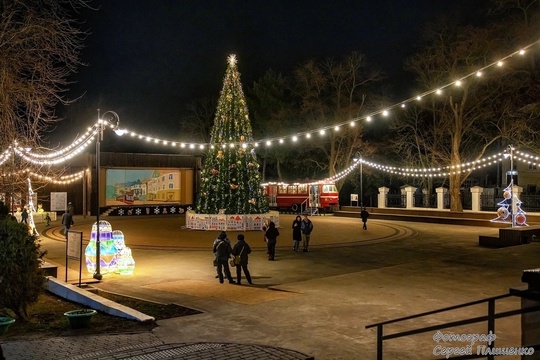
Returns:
point(505, 212)
point(124, 262)
point(108, 250)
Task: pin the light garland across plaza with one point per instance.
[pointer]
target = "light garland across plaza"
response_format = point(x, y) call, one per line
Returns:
point(322, 131)
point(75, 148)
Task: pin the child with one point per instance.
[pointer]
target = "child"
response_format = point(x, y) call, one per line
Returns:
point(47, 219)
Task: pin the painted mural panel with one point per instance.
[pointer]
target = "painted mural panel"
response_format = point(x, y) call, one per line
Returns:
point(142, 186)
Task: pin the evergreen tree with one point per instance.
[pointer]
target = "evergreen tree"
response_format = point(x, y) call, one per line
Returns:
point(230, 178)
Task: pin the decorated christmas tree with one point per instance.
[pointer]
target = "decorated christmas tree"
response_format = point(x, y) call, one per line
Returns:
point(230, 181)
point(505, 213)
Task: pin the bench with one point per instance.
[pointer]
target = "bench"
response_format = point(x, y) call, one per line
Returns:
point(49, 269)
point(511, 237)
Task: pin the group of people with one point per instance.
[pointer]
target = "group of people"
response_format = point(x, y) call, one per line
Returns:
point(302, 228)
point(224, 252)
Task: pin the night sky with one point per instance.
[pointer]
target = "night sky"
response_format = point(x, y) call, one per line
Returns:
point(147, 59)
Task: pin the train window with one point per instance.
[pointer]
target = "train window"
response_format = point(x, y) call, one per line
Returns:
point(302, 189)
point(329, 188)
point(292, 189)
point(282, 189)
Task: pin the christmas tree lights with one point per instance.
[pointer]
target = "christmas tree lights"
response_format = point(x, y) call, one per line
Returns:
point(230, 181)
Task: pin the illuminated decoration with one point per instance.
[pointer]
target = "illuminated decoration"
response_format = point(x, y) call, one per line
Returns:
point(60, 156)
point(125, 262)
point(505, 213)
point(65, 154)
point(108, 251)
point(230, 175)
point(77, 146)
point(31, 210)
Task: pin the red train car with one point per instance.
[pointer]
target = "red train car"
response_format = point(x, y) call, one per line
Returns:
point(323, 196)
point(128, 198)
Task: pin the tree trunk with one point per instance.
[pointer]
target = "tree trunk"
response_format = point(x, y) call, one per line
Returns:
point(455, 193)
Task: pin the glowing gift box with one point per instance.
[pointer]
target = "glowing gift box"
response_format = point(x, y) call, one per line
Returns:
point(108, 250)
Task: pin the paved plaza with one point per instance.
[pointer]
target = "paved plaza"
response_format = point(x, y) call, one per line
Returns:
point(302, 305)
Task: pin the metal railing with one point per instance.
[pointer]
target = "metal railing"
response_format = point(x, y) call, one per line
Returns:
point(528, 202)
point(425, 200)
point(396, 200)
point(489, 318)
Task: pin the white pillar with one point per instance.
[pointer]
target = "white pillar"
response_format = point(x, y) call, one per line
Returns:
point(476, 192)
point(441, 192)
point(410, 190)
point(381, 199)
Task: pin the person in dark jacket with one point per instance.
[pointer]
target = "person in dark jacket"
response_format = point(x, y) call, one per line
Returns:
point(271, 240)
point(242, 249)
point(221, 236)
point(24, 216)
point(67, 221)
point(364, 215)
point(307, 228)
point(297, 232)
point(223, 251)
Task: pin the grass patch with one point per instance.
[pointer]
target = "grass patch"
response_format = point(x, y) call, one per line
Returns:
point(46, 317)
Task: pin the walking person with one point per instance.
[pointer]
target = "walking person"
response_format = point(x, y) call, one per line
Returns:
point(364, 215)
point(67, 221)
point(24, 216)
point(242, 249)
point(271, 240)
point(307, 228)
point(297, 232)
point(223, 251)
point(221, 236)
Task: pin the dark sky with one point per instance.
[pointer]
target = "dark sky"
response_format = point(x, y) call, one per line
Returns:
point(147, 59)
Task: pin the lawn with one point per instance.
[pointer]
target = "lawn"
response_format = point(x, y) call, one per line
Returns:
point(46, 317)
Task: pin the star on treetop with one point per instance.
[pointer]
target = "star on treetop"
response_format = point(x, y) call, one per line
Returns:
point(232, 60)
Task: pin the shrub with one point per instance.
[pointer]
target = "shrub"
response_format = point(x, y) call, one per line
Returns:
point(21, 277)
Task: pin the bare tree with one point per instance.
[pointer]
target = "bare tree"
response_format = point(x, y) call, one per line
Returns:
point(333, 92)
point(273, 113)
point(469, 118)
point(198, 119)
point(40, 43)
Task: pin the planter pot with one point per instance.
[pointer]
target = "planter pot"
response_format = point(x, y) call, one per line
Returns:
point(4, 323)
point(80, 318)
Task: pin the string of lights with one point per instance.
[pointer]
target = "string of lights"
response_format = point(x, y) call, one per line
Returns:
point(479, 73)
point(59, 156)
point(65, 154)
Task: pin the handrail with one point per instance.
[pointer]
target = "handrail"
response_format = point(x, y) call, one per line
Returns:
point(471, 303)
point(490, 318)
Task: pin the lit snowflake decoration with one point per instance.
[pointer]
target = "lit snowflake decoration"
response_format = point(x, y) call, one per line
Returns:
point(156, 210)
point(232, 60)
point(138, 211)
point(173, 210)
point(121, 212)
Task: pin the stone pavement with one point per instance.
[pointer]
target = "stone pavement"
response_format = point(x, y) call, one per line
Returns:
point(141, 346)
point(313, 304)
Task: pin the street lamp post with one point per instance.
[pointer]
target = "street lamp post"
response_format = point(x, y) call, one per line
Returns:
point(361, 185)
point(114, 122)
point(361, 161)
